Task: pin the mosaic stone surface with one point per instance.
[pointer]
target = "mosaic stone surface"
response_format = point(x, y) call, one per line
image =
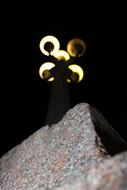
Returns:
point(68, 155)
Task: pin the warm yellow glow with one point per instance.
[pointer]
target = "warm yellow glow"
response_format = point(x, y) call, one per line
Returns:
point(77, 69)
point(46, 66)
point(51, 39)
point(76, 47)
point(61, 54)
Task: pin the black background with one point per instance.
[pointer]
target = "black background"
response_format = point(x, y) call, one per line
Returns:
point(24, 96)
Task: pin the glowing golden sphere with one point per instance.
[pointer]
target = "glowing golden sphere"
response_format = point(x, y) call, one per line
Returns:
point(49, 39)
point(61, 55)
point(77, 69)
point(76, 47)
point(44, 67)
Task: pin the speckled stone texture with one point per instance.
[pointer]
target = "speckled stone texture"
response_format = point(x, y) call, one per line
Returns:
point(67, 156)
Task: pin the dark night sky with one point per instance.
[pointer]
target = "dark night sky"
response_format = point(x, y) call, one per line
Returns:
point(24, 96)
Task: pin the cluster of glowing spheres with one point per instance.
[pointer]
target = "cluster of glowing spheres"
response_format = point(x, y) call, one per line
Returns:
point(46, 66)
point(53, 40)
point(77, 69)
point(61, 55)
point(76, 47)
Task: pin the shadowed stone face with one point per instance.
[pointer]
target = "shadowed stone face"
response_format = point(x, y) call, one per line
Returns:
point(69, 155)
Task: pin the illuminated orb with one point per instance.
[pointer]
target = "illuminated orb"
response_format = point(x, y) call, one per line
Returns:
point(77, 69)
point(61, 54)
point(49, 39)
point(76, 47)
point(46, 66)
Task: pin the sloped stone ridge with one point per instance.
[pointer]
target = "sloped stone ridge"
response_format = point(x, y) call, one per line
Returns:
point(67, 156)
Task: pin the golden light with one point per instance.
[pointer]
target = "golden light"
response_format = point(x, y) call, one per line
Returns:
point(77, 69)
point(49, 39)
point(46, 66)
point(61, 54)
point(76, 47)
